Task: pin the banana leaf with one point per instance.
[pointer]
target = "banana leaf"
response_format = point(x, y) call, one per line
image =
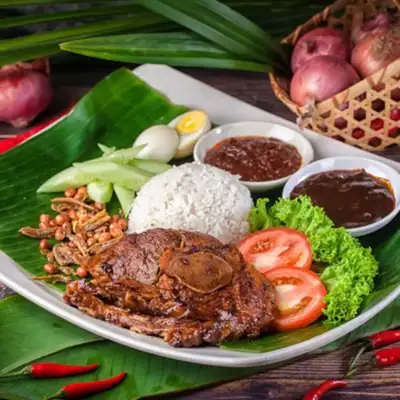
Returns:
point(177, 49)
point(113, 113)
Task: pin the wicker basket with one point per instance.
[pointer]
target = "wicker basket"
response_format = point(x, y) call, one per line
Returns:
point(360, 115)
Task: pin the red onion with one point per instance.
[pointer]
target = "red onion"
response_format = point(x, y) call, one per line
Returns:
point(25, 91)
point(361, 29)
point(320, 42)
point(376, 51)
point(321, 78)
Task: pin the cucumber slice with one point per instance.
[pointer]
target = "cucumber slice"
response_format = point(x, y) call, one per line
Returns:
point(154, 167)
point(105, 149)
point(125, 198)
point(68, 178)
point(124, 175)
point(122, 156)
point(100, 191)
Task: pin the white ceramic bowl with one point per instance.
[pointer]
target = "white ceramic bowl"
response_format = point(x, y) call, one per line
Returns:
point(264, 129)
point(373, 167)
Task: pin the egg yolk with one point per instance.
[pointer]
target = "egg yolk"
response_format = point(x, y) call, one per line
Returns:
point(191, 122)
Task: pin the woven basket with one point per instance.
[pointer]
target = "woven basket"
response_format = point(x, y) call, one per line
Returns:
point(360, 115)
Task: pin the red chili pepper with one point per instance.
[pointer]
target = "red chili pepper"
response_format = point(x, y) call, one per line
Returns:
point(52, 370)
point(9, 143)
point(384, 338)
point(386, 357)
point(81, 390)
point(376, 341)
point(381, 359)
point(319, 391)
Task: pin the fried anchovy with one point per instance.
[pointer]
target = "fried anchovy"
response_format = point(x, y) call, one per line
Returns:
point(67, 270)
point(63, 255)
point(53, 278)
point(80, 244)
point(92, 226)
point(100, 247)
point(77, 203)
point(46, 233)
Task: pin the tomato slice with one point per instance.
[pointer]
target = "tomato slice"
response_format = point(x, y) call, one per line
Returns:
point(299, 297)
point(277, 247)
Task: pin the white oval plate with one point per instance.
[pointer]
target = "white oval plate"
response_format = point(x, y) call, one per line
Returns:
point(264, 129)
point(372, 167)
point(223, 109)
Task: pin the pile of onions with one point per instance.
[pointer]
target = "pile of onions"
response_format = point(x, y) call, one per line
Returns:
point(321, 58)
point(321, 79)
point(25, 91)
point(320, 42)
point(376, 51)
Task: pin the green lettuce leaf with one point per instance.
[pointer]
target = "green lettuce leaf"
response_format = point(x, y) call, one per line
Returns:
point(349, 276)
point(260, 218)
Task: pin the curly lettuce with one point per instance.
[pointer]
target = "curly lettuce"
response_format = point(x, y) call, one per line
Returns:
point(351, 268)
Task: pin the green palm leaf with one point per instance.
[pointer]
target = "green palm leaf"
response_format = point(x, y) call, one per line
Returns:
point(18, 3)
point(9, 57)
point(177, 49)
point(106, 27)
point(91, 12)
point(221, 25)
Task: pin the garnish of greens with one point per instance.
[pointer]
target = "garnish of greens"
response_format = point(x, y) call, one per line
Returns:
point(350, 268)
point(118, 171)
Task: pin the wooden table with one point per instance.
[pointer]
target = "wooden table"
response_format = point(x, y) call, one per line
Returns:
point(286, 383)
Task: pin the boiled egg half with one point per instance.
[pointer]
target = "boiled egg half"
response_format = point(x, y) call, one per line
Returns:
point(161, 142)
point(190, 127)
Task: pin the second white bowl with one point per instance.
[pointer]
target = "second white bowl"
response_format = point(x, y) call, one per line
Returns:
point(264, 129)
point(372, 167)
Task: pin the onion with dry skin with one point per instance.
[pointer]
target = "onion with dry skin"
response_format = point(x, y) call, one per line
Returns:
point(25, 91)
point(320, 42)
point(376, 51)
point(320, 79)
point(361, 29)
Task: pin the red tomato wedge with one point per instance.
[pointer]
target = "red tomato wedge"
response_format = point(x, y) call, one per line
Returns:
point(299, 297)
point(277, 247)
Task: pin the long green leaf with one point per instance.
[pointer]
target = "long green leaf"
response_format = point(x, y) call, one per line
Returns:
point(221, 25)
point(98, 28)
point(177, 49)
point(18, 3)
point(91, 12)
point(9, 57)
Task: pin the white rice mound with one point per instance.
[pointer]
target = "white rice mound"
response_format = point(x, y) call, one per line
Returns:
point(194, 197)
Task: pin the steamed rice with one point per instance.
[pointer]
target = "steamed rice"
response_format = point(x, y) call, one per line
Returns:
point(195, 197)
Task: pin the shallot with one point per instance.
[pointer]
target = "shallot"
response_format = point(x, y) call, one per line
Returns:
point(320, 42)
point(361, 29)
point(320, 79)
point(376, 51)
point(25, 91)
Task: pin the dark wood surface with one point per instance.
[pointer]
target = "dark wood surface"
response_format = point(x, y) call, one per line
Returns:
point(286, 383)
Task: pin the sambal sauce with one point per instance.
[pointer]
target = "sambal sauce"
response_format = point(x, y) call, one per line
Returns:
point(351, 198)
point(255, 158)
